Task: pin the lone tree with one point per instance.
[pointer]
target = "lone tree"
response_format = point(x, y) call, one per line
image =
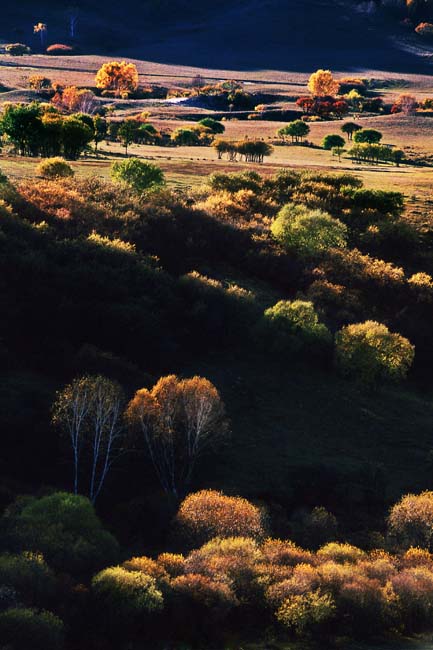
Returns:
point(297, 130)
point(128, 133)
point(332, 141)
point(117, 76)
point(368, 136)
point(89, 411)
point(323, 84)
point(137, 174)
point(349, 128)
point(371, 353)
point(179, 419)
point(41, 29)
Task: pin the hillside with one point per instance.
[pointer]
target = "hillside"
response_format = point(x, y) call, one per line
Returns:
point(296, 35)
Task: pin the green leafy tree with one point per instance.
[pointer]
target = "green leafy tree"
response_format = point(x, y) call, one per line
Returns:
point(137, 174)
point(370, 353)
point(308, 232)
point(99, 130)
point(214, 125)
point(128, 133)
point(64, 528)
point(184, 137)
point(349, 128)
point(22, 125)
point(25, 629)
point(332, 141)
point(297, 130)
point(76, 136)
point(368, 136)
point(29, 576)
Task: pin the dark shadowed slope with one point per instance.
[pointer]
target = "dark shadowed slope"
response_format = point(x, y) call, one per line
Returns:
point(296, 35)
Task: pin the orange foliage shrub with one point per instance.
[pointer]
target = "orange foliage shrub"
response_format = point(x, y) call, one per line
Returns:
point(203, 591)
point(208, 514)
point(277, 551)
point(147, 565)
point(340, 553)
point(410, 521)
point(172, 563)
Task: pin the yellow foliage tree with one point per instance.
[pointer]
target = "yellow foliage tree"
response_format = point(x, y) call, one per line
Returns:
point(117, 76)
point(323, 84)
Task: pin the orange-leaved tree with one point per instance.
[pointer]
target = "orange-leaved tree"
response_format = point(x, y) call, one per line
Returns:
point(323, 84)
point(178, 419)
point(117, 76)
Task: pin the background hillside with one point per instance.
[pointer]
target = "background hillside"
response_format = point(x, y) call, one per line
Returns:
point(279, 34)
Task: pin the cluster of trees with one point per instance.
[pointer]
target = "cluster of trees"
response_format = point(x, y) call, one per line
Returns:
point(248, 150)
point(177, 419)
point(37, 130)
point(223, 571)
point(375, 153)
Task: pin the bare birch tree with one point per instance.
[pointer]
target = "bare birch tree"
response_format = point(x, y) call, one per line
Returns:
point(90, 411)
point(178, 419)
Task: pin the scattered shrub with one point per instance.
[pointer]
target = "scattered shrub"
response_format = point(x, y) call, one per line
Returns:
point(370, 353)
point(54, 168)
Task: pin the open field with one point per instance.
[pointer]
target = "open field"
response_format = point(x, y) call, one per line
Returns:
point(188, 165)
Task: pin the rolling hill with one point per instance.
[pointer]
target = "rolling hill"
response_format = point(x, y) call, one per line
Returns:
point(296, 35)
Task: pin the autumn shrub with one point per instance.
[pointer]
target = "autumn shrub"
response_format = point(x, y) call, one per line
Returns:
point(414, 589)
point(415, 556)
point(306, 612)
point(308, 232)
point(410, 521)
point(148, 566)
point(421, 285)
point(238, 207)
point(340, 553)
point(54, 168)
point(207, 514)
point(172, 563)
point(303, 579)
point(198, 596)
point(21, 629)
point(293, 327)
point(370, 353)
point(39, 82)
point(233, 559)
point(286, 553)
point(125, 596)
point(366, 606)
point(235, 182)
point(336, 301)
point(17, 49)
point(59, 49)
point(425, 30)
